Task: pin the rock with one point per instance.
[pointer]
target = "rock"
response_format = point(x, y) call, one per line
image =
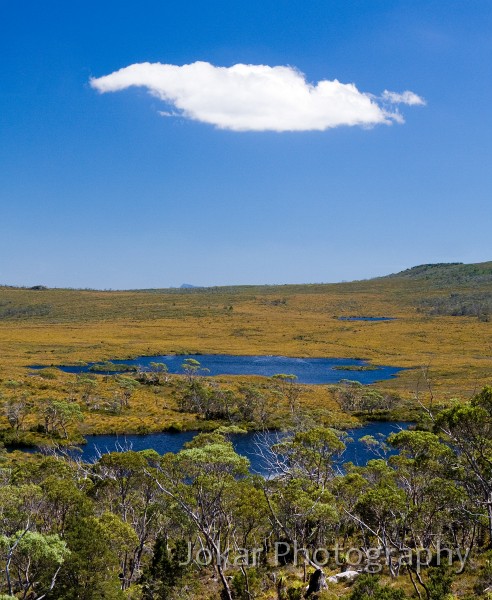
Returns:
point(344, 576)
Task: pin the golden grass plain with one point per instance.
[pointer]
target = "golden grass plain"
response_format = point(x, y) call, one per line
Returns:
point(291, 320)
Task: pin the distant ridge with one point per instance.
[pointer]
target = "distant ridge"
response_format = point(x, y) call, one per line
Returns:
point(426, 269)
point(437, 274)
point(449, 273)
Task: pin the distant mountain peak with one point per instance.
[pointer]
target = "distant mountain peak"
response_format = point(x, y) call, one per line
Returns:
point(187, 286)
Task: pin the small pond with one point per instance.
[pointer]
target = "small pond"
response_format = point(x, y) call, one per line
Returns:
point(244, 444)
point(366, 318)
point(307, 370)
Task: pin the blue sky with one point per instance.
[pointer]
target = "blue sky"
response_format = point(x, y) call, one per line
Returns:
point(100, 190)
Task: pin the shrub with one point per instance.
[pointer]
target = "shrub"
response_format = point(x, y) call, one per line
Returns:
point(368, 587)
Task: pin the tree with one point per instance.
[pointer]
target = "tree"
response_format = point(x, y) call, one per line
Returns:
point(353, 396)
point(62, 500)
point(467, 428)
point(287, 387)
point(126, 491)
point(160, 369)
point(32, 562)
point(154, 375)
point(254, 406)
point(59, 415)
point(302, 507)
point(198, 479)
point(92, 568)
point(166, 570)
point(192, 368)
point(87, 384)
point(424, 470)
point(310, 454)
point(378, 508)
point(209, 400)
point(439, 583)
point(16, 410)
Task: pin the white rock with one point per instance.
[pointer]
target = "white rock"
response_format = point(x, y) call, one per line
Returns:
point(344, 576)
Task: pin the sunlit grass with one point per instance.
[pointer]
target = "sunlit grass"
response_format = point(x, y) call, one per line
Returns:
point(87, 326)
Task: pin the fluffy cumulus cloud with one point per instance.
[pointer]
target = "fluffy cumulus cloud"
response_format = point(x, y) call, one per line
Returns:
point(256, 97)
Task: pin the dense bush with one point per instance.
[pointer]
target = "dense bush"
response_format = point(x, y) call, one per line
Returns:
point(459, 305)
point(9, 310)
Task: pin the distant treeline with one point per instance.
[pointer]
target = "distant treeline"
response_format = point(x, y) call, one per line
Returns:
point(9, 310)
point(459, 305)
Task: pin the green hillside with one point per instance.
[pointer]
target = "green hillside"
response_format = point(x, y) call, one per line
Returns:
point(450, 274)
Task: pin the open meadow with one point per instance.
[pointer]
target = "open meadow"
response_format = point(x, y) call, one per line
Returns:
point(445, 354)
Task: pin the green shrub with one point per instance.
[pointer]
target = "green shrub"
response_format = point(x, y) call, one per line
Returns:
point(439, 583)
point(368, 587)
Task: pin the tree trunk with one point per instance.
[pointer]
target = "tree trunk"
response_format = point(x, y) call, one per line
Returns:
point(227, 590)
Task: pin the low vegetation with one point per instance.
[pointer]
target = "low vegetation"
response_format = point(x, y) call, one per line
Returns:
point(139, 526)
point(460, 305)
point(153, 400)
point(196, 524)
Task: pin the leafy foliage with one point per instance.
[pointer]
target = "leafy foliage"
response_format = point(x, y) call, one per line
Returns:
point(369, 588)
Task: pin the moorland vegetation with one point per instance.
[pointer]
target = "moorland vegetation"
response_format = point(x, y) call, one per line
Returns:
point(123, 526)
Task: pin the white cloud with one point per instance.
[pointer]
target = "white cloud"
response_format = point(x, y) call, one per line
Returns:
point(404, 98)
point(255, 97)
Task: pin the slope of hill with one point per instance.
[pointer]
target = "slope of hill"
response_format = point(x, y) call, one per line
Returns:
point(468, 288)
point(449, 274)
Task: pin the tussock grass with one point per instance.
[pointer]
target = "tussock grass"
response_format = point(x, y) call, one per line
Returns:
point(293, 320)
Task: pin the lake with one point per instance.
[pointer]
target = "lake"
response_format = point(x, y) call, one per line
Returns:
point(366, 318)
point(307, 370)
point(244, 444)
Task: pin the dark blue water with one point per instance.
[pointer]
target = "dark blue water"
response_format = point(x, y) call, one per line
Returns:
point(244, 444)
point(366, 318)
point(307, 370)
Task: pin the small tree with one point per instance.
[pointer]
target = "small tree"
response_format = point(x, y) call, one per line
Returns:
point(59, 415)
point(160, 369)
point(192, 368)
point(32, 562)
point(166, 570)
point(16, 410)
point(287, 387)
point(254, 406)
